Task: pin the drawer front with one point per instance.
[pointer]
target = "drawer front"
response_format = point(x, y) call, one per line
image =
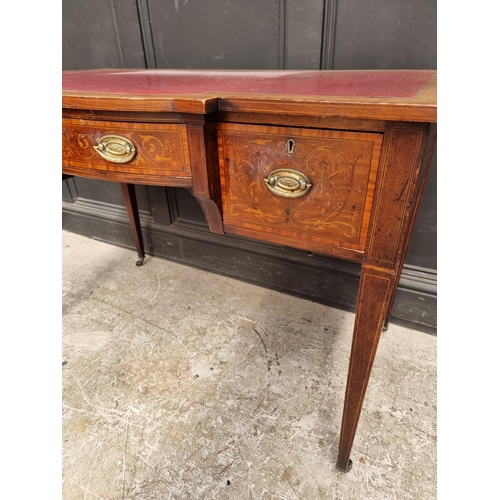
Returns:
point(295, 186)
point(157, 150)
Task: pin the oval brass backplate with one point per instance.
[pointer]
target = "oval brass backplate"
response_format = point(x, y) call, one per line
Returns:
point(288, 183)
point(115, 148)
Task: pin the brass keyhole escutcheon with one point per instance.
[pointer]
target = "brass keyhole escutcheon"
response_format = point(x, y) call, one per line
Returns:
point(289, 146)
point(115, 148)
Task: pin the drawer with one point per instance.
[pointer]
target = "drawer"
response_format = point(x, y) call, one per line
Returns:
point(138, 152)
point(304, 188)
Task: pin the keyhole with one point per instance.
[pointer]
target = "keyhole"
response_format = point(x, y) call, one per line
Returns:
point(290, 145)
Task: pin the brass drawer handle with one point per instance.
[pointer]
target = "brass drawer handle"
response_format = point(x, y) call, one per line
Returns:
point(288, 183)
point(115, 148)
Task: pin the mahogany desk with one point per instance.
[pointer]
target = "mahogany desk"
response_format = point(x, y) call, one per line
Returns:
point(333, 162)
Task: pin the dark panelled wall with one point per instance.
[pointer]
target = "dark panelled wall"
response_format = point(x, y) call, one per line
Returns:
point(250, 34)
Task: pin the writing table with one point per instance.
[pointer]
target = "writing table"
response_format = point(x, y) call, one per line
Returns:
point(333, 162)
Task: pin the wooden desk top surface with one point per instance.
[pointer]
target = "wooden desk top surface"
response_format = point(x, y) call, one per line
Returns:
point(408, 95)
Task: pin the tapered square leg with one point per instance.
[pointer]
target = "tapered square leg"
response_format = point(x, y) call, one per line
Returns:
point(128, 191)
point(375, 291)
point(392, 297)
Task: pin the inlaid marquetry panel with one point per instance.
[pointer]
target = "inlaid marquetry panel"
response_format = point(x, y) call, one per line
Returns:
point(340, 166)
point(161, 149)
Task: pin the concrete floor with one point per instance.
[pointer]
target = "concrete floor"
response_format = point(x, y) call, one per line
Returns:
point(180, 384)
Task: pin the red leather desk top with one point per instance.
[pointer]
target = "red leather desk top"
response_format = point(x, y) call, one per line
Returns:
point(398, 84)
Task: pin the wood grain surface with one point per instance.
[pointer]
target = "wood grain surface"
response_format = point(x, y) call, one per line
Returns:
point(162, 150)
point(341, 167)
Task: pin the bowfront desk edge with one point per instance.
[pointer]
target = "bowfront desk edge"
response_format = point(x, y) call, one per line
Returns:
point(353, 147)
